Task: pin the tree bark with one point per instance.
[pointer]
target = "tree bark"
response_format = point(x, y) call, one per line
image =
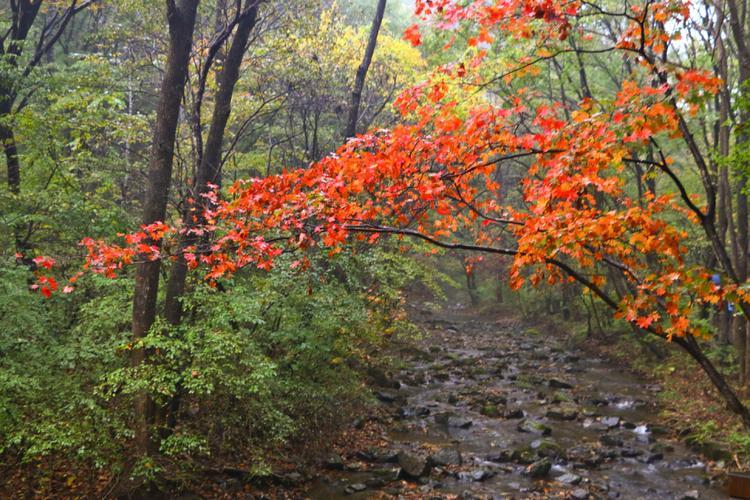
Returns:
point(364, 67)
point(181, 15)
point(209, 169)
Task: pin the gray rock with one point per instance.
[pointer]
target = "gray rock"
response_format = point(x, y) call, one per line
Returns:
point(610, 422)
point(546, 447)
point(412, 465)
point(579, 494)
point(533, 427)
point(539, 468)
point(691, 495)
point(569, 478)
point(334, 462)
point(355, 488)
point(564, 411)
point(385, 397)
point(559, 384)
point(459, 422)
point(514, 413)
point(446, 456)
point(610, 440)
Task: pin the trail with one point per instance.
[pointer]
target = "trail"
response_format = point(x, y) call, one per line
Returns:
point(490, 408)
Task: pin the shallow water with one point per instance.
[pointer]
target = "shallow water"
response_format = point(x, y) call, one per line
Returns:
point(462, 365)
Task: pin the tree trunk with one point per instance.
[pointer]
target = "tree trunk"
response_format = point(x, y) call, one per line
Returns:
point(364, 67)
point(209, 169)
point(735, 405)
point(181, 16)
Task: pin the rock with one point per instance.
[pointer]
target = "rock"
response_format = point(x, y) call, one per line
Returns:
point(630, 452)
point(381, 378)
point(453, 399)
point(442, 418)
point(523, 456)
point(559, 384)
point(355, 488)
point(489, 410)
point(546, 447)
point(610, 422)
point(534, 427)
point(690, 495)
point(561, 397)
point(412, 465)
point(446, 456)
point(387, 456)
point(539, 468)
point(514, 413)
point(654, 457)
point(500, 457)
point(334, 462)
point(579, 494)
point(569, 478)
point(610, 440)
point(564, 411)
point(385, 397)
point(459, 422)
point(482, 474)
point(291, 479)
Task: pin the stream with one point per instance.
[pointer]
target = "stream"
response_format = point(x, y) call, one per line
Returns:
point(492, 408)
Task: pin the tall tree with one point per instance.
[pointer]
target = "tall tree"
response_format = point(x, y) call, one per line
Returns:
point(364, 67)
point(181, 17)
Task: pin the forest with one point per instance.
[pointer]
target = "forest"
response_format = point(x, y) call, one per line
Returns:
point(375, 249)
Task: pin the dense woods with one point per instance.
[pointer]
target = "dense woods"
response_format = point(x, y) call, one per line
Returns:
point(217, 214)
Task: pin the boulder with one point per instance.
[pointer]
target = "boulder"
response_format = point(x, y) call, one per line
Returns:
point(538, 469)
point(446, 456)
point(564, 411)
point(533, 427)
point(412, 465)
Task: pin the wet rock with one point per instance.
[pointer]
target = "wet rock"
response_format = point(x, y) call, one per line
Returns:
point(442, 418)
point(355, 488)
point(514, 413)
point(579, 494)
point(386, 397)
point(654, 457)
point(569, 478)
point(381, 378)
point(446, 456)
point(630, 452)
point(500, 457)
point(489, 410)
point(459, 422)
point(533, 427)
point(452, 399)
point(412, 465)
point(334, 462)
point(539, 468)
point(387, 456)
point(598, 401)
point(690, 495)
point(548, 448)
point(523, 456)
point(610, 422)
point(610, 440)
point(291, 479)
point(564, 411)
point(559, 384)
point(562, 397)
point(477, 475)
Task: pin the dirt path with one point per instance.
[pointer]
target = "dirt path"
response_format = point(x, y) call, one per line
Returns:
point(492, 409)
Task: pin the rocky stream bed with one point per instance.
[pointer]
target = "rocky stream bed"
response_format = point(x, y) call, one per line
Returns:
point(490, 408)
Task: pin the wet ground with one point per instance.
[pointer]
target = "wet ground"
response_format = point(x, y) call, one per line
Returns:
point(491, 408)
